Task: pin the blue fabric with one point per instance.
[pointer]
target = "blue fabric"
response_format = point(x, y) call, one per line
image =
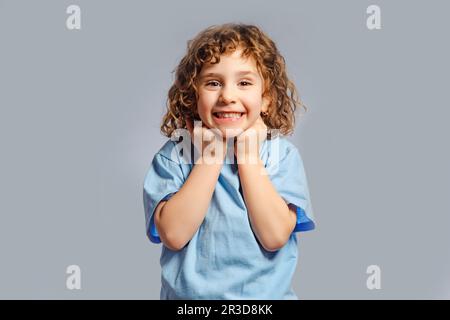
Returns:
point(224, 259)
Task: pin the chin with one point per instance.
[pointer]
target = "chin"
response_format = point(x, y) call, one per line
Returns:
point(227, 133)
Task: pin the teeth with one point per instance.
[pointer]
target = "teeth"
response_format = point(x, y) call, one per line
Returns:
point(228, 114)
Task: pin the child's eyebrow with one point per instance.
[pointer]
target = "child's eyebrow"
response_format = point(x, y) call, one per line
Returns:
point(240, 73)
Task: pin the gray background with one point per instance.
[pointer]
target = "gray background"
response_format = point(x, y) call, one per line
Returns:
point(79, 125)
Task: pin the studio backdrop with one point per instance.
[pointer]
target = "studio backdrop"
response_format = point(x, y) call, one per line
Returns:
point(83, 88)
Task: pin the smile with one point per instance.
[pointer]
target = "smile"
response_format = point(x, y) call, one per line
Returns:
point(227, 116)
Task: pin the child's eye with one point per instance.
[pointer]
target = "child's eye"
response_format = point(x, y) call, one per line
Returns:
point(217, 83)
point(213, 83)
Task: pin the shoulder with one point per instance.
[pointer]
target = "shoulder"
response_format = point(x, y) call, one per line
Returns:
point(287, 146)
point(165, 163)
point(281, 148)
point(169, 151)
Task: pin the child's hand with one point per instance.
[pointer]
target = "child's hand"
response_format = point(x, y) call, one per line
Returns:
point(209, 142)
point(248, 142)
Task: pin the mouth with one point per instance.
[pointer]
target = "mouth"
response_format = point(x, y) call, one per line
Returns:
point(227, 116)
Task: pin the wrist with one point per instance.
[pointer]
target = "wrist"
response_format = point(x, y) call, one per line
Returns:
point(246, 158)
point(211, 153)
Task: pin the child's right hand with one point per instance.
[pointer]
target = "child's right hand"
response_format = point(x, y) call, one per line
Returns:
point(209, 142)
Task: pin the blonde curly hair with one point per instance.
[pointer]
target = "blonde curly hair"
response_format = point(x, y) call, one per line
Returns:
point(208, 46)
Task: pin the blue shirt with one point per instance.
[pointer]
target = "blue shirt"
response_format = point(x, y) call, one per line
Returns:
point(224, 259)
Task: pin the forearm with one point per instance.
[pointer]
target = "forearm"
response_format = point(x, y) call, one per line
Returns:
point(270, 217)
point(185, 211)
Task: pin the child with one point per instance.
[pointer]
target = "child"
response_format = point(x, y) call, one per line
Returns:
point(228, 227)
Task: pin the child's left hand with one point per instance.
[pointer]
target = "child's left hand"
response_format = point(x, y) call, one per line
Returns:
point(244, 146)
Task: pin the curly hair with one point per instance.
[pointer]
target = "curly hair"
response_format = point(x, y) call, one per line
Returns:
point(207, 47)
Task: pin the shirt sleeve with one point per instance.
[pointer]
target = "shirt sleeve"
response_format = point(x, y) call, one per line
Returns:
point(164, 178)
point(290, 181)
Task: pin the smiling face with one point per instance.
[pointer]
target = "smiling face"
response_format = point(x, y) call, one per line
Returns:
point(230, 93)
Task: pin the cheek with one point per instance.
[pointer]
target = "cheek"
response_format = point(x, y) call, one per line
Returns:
point(205, 103)
point(253, 103)
point(201, 107)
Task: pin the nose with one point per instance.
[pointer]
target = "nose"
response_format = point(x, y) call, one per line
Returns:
point(227, 95)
